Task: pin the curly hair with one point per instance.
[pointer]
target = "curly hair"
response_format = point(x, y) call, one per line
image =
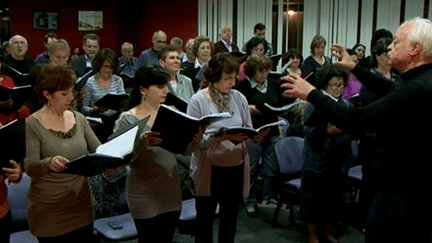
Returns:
point(198, 41)
point(255, 41)
point(221, 63)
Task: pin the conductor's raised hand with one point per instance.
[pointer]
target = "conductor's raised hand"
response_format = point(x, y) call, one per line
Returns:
point(296, 87)
point(151, 138)
point(58, 163)
point(344, 59)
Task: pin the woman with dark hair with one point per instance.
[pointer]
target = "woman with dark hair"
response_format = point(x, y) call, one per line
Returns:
point(381, 66)
point(105, 81)
point(360, 51)
point(258, 89)
point(295, 57)
point(352, 90)
point(105, 187)
point(202, 49)
point(378, 35)
point(326, 160)
point(317, 59)
point(76, 52)
point(59, 206)
point(255, 46)
point(220, 166)
point(153, 186)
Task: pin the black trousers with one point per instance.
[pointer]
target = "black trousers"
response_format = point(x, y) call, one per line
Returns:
point(5, 228)
point(226, 189)
point(159, 229)
point(83, 234)
point(400, 218)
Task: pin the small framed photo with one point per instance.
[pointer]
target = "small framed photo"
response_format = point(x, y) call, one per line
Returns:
point(90, 20)
point(45, 21)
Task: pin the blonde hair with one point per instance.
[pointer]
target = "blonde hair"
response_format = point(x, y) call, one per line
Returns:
point(316, 42)
point(59, 45)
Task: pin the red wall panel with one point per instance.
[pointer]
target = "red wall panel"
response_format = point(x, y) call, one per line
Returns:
point(176, 18)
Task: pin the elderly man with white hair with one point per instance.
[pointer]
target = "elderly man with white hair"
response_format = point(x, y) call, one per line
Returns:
point(401, 211)
point(17, 64)
point(225, 44)
point(151, 55)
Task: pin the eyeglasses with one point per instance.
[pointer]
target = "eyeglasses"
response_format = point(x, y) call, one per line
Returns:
point(23, 43)
point(337, 86)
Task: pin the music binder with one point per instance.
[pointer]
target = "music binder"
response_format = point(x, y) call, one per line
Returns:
point(177, 129)
point(113, 101)
point(177, 102)
point(12, 142)
point(248, 131)
point(111, 154)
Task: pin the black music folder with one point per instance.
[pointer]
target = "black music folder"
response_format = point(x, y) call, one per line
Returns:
point(178, 129)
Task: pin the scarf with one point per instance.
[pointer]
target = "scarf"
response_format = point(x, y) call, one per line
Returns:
point(221, 100)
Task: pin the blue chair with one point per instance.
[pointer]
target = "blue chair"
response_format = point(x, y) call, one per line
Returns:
point(116, 228)
point(186, 223)
point(23, 236)
point(289, 151)
point(17, 194)
point(120, 227)
point(285, 127)
point(355, 176)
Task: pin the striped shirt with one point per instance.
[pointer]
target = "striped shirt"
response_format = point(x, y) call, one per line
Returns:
point(93, 92)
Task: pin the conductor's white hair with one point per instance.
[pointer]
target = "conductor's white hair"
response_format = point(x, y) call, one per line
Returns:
point(421, 33)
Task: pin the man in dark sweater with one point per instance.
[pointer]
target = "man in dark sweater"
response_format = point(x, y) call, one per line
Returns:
point(402, 209)
point(17, 65)
point(259, 90)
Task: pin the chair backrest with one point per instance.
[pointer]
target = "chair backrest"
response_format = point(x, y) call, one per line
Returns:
point(285, 127)
point(355, 148)
point(289, 152)
point(17, 194)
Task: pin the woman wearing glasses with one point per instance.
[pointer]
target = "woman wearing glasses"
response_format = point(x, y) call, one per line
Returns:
point(326, 160)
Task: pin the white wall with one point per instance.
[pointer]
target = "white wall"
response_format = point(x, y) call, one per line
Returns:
point(336, 20)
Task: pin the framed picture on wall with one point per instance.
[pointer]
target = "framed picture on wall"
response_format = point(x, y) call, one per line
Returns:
point(90, 20)
point(45, 21)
